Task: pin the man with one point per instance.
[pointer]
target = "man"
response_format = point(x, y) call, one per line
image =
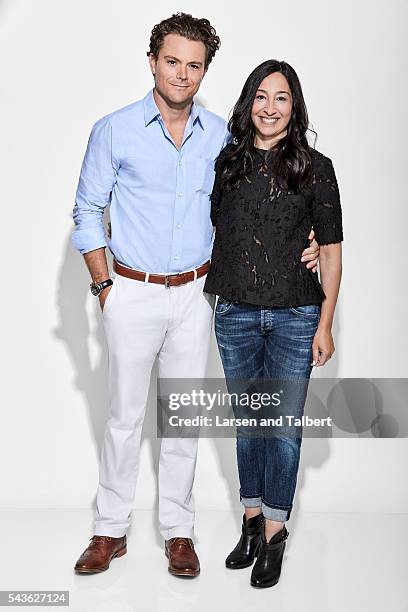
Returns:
point(153, 162)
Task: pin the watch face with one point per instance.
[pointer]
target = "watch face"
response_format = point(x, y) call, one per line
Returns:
point(95, 290)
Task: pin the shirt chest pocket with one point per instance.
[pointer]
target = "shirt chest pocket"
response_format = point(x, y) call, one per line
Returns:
point(200, 175)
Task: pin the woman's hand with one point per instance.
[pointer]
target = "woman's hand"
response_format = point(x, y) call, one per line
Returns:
point(323, 346)
point(311, 254)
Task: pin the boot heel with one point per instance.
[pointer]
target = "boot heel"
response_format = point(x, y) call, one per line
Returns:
point(121, 552)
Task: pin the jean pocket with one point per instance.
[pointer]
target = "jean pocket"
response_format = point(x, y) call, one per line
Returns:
point(311, 311)
point(223, 306)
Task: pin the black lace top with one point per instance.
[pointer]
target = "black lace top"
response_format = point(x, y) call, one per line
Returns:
point(261, 232)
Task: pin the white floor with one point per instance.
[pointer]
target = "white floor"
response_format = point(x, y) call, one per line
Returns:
point(333, 563)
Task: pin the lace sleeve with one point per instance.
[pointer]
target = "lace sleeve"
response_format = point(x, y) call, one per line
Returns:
point(326, 207)
point(216, 194)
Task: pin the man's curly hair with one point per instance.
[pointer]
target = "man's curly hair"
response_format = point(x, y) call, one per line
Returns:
point(190, 27)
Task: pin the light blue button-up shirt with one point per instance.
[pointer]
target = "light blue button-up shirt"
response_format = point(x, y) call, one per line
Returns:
point(159, 196)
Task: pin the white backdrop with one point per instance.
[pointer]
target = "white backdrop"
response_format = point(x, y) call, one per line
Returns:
point(65, 63)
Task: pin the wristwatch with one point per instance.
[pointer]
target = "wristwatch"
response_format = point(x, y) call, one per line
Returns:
point(97, 288)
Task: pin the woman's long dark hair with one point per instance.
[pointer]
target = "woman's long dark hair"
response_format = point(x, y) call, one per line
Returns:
point(292, 162)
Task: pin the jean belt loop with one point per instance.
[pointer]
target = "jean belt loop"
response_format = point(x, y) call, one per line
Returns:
point(146, 280)
point(195, 275)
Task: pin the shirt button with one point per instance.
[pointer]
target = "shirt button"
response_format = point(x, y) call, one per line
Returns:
point(180, 195)
point(176, 257)
point(179, 226)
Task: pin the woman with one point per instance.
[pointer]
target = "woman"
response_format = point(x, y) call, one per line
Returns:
point(273, 318)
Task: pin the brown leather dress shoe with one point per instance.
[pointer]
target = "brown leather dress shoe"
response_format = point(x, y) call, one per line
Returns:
point(97, 557)
point(182, 557)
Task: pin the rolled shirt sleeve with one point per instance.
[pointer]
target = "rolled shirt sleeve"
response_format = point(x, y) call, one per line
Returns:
point(97, 179)
point(326, 207)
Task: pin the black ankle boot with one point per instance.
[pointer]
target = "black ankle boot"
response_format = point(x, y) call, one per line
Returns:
point(246, 550)
point(267, 569)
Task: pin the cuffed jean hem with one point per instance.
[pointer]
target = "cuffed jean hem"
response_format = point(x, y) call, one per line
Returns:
point(251, 502)
point(109, 531)
point(182, 531)
point(273, 514)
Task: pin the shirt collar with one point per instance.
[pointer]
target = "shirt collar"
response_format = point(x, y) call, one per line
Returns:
point(151, 111)
point(197, 114)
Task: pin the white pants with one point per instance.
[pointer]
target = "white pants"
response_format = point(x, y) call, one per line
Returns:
point(142, 321)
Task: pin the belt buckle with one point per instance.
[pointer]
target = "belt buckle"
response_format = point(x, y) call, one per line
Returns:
point(167, 276)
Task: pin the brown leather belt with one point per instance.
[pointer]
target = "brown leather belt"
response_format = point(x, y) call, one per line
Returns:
point(169, 280)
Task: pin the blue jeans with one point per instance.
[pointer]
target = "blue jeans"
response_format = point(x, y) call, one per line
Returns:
point(259, 343)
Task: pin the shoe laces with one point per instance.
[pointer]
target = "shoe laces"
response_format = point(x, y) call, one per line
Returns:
point(182, 543)
point(98, 540)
